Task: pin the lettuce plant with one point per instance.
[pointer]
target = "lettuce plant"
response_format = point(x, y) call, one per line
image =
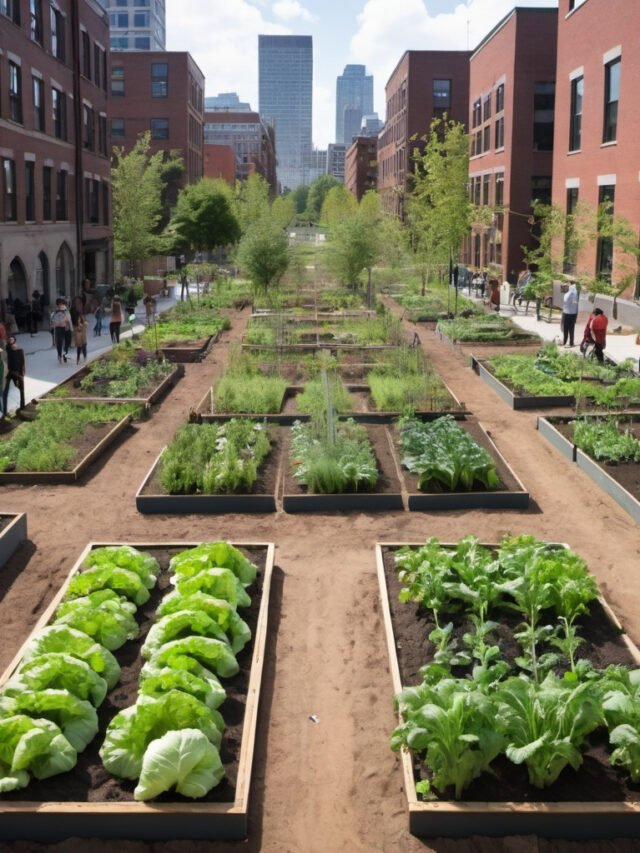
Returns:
point(58, 671)
point(213, 555)
point(103, 615)
point(32, 747)
point(236, 629)
point(76, 718)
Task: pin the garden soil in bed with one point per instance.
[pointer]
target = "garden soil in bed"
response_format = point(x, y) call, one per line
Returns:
point(626, 474)
point(596, 780)
point(89, 781)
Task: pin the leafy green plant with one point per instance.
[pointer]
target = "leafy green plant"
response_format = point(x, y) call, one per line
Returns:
point(487, 327)
point(621, 704)
point(249, 393)
point(313, 399)
point(347, 464)
point(607, 440)
point(445, 457)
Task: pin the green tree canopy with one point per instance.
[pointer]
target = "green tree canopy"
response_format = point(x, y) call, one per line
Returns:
point(317, 193)
point(204, 217)
point(353, 248)
point(251, 200)
point(138, 180)
point(263, 254)
point(338, 205)
point(283, 210)
point(300, 195)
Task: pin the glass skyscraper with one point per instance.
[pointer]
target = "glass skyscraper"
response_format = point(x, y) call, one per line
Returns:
point(136, 24)
point(354, 99)
point(285, 91)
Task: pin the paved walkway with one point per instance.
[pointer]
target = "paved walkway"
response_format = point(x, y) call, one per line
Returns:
point(43, 370)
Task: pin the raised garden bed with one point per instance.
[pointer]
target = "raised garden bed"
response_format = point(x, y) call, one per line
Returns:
point(70, 390)
point(13, 532)
point(188, 352)
point(387, 494)
point(595, 802)
point(511, 494)
point(621, 481)
point(151, 497)
point(517, 401)
point(485, 330)
point(88, 802)
point(88, 445)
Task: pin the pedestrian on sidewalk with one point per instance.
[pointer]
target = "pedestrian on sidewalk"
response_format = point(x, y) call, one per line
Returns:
point(98, 314)
point(80, 337)
point(115, 320)
point(596, 331)
point(16, 369)
point(35, 312)
point(570, 314)
point(61, 329)
point(3, 374)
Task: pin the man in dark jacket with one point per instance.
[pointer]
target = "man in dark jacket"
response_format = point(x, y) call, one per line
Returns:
point(16, 368)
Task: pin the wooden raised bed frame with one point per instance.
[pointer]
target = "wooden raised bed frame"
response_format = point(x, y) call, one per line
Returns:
point(29, 478)
point(188, 352)
point(575, 820)
point(13, 535)
point(159, 391)
point(54, 821)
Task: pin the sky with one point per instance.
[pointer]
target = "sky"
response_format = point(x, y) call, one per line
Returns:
point(222, 37)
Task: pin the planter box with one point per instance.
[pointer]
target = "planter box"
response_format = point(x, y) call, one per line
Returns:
point(153, 397)
point(387, 497)
point(189, 351)
point(574, 820)
point(512, 495)
point(595, 470)
point(12, 535)
point(50, 821)
point(522, 340)
point(29, 478)
point(150, 498)
point(517, 401)
point(206, 413)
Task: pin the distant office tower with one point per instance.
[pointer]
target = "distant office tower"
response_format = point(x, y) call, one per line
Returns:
point(134, 25)
point(335, 159)
point(371, 125)
point(228, 101)
point(286, 78)
point(354, 99)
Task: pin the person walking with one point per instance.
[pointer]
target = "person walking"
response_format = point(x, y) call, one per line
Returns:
point(570, 314)
point(35, 313)
point(61, 329)
point(98, 315)
point(80, 337)
point(3, 374)
point(16, 368)
point(596, 331)
point(115, 320)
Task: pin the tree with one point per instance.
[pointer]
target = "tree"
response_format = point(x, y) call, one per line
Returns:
point(338, 205)
point(317, 193)
point(353, 247)
point(138, 180)
point(204, 217)
point(251, 200)
point(300, 195)
point(283, 210)
point(263, 254)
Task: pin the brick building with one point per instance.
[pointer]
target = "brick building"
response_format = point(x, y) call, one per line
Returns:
point(250, 138)
point(54, 156)
point(220, 162)
point(511, 113)
point(361, 165)
point(425, 84)
point(162, 92)
point(597, 134)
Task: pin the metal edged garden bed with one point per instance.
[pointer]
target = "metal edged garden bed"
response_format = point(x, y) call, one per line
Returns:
point(547, 428)
point(29, 478)
point(456, 819)
point(188, 352)
point(12, 535)
point(517, 401)
point(153, 397)
point(51, 821)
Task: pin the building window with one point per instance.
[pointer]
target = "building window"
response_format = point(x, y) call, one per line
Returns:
point(35, 20)
point(499, 191)
point(611, 96)
point(119, 43)
point(477, 113)
point(142, 43)
point(88, 128)
point(97, 66)
point(477, 189)
point(117, 80)
point(575, 119)
point(159, 128)
point(570, 250)
point(57, 34)
point(604, 249)
point(117, 128)
point(11, 10)
point(102, 134)
point(9, 184)
point(499, 134)
point(30, 191)
point(486, 138)
point(486, 183)
point(91, 189)
point(61, 196)
point(15, 92)
point(441, 94)
point(487, 108)
point(500, 98)
point(573, 4)
point(140, 19)
point(159, 79)
point(38, 104)
point(46, 193)
point(544, 101)
point(59, 113)
point(541, 189)
point(86, 55)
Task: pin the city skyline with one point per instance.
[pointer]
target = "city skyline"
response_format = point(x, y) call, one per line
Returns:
point(223, 40)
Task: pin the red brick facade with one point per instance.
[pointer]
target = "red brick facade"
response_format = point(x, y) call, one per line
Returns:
point(361, 165)
point(54, 153)
point(220, 162)
point(250, 138)
point(598, 39)
point(512, 80)
point(423, 85)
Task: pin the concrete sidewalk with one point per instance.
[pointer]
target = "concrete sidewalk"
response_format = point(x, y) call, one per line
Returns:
point(43, 369)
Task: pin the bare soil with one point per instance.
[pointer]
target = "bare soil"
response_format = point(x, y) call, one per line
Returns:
point(334, 785)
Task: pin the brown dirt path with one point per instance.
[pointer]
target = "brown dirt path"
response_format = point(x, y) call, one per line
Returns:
point(330, 786)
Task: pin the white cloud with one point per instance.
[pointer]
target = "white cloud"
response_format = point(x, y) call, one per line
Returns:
point(287, 10)
point(385, 30)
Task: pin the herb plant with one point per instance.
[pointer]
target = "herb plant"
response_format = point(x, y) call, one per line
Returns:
point(607, 440)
